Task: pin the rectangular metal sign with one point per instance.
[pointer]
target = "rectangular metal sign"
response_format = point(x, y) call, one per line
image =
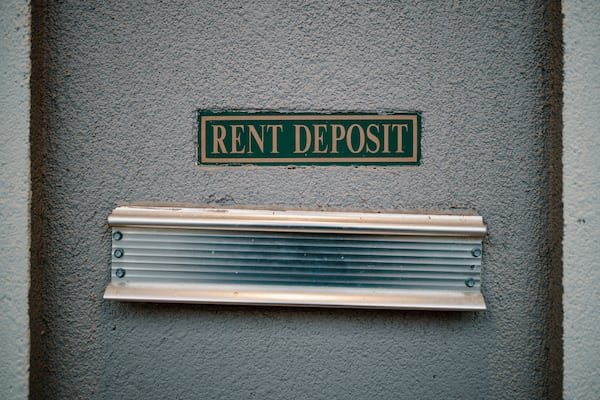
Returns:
point(271, 138)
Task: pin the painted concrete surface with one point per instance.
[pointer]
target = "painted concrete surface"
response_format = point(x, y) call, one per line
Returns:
point(124, 80)
point(581, 200)
point(14, 198)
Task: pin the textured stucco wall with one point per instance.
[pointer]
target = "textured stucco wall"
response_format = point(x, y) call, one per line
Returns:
point(581, 199)
point(123, 81)
point(14, 198)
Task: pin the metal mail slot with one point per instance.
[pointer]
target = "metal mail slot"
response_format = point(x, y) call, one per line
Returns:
point(296, 258)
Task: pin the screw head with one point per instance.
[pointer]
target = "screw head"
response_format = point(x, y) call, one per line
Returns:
point(470, 282)
point(120, 273)
point(119, 253)
point(476, 252)
point(117, 235)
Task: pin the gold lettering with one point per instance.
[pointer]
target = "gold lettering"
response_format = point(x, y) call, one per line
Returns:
point(235, 140)
point(386, 138)
point(335, 138)
point(399, 132)
point(218, 138)
point(274, 128)
point(259, 139)
point(361, 140)
point(297, 137)
point(319, 138)
point(373, 139)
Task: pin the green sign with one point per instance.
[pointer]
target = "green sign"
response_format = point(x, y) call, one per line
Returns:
point(271, 138)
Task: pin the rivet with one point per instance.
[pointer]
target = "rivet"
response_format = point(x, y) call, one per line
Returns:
point(473, 266)
point(117, 235)
point(470, 282)
point(476, 252)
point(120, 273)
point(119, 253)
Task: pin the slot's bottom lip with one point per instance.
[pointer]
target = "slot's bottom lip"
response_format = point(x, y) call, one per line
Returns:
point(298, 296)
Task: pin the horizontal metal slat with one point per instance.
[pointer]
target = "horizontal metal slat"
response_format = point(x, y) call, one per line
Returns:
point(237, 259)
point(289, 255)
point(406, 285)
point(302, 271)
point(272, 247)
point(149, 235)
point(245, 264)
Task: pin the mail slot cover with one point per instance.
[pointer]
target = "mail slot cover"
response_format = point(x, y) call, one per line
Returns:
point(393, 260)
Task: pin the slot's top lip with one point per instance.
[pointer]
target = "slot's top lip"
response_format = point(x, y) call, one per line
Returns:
point(409, 223)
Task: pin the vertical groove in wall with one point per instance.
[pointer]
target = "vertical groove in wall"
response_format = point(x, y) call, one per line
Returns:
point(581, 190)
point(15, 100)
point(551, 106)
point(38, 151)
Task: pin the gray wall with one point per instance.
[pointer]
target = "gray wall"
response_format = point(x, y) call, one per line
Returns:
point(581, 193)
point(14, 198)
point(119, 84)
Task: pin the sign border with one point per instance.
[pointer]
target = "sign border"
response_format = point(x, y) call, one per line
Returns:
point(205, 115)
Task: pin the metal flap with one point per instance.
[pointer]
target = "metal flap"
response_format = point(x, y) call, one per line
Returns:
point(296, 258)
